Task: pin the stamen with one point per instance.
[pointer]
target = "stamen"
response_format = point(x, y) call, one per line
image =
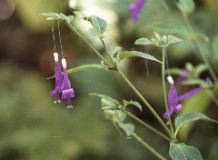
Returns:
point(170, 80)
point(56, 56)
point(64, 63)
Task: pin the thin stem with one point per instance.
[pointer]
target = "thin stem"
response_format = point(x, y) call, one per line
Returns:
point(105, 47)
point(145, 102)
point(164, 88)
point(146, 125)
point(198, 47)
point(147, 146)
point(88, 43)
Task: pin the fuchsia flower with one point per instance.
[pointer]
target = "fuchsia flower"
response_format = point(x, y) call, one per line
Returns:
point(63, 89)
point(56, 92)
point(135, 8)
point(174, 99)
point(67, 90)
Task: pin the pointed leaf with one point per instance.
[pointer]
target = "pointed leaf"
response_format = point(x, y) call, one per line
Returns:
point(143, 41)
point(99, 25)
point(184, 152)
point(186, 6)
point(134, 103)
point(172, 40)
point(129, 54)
point(182, 120)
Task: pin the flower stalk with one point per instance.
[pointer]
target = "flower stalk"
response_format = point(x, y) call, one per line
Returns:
point(164, 52)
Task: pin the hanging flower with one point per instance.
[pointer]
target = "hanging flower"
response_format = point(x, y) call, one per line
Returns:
point(135, 9)
point(56, 92)
point(67, 91)
point(174, 99)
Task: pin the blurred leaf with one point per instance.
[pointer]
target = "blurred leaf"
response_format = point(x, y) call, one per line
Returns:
point(186, 6)
point(99, 25)
point(133, 103)
point(129, 54)
point(143, 41)
point(172, 40)
point(183, 120)
point(182, 151)
point(128, 128)
point(194, 105)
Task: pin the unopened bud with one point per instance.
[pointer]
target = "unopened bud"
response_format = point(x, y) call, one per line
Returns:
point(64, 63)
point(170, 80)
point(56, 56)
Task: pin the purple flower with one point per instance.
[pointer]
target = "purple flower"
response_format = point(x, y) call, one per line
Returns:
point(135, 8)
point(67, 91)
point(174, 99)
point(56, 92)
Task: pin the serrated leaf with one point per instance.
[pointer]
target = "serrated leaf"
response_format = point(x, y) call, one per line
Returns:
point(84, 68)
point(133, 103)
point(182, 120)
point(128, 128)
point(129, 54)
point(186, 6)
point(172, 40)
point(182, 151)
point(143, 41)
point(98, 24)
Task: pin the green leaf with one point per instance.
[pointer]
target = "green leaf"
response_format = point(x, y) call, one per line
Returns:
point(99, 25)
point(186, 6)
point(106, 101)
point(198, 82)
point(182, 151)
point(199, 69)
point(84, 68)
point(182, 120)
point(172, 40)
point(128, 128)
point(143, 41)
point(129, 54)
point(134, 103)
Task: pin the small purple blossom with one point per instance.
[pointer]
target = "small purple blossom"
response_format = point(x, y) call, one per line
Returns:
point(67, 91)
point(56, 92)
point(135, 9)
point(63, 90)
point(174, 99)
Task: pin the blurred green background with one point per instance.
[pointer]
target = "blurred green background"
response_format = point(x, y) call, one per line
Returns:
point(32, 127)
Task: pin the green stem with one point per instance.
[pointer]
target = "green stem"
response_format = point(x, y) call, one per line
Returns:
point(198, 47)
point(105, 47)
point(164, 52)
point(147, 146)
point(145, 102)
point(88, 43)
point(146, 125)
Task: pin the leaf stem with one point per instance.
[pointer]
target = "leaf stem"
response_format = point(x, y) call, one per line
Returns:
point(164, 52)
point(147, 146)
point(144, 101)
point(87, 42)
point(146, 125)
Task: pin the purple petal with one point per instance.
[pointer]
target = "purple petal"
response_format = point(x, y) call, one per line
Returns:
point(172, 98)
point(190, 93)
point(58, 81)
